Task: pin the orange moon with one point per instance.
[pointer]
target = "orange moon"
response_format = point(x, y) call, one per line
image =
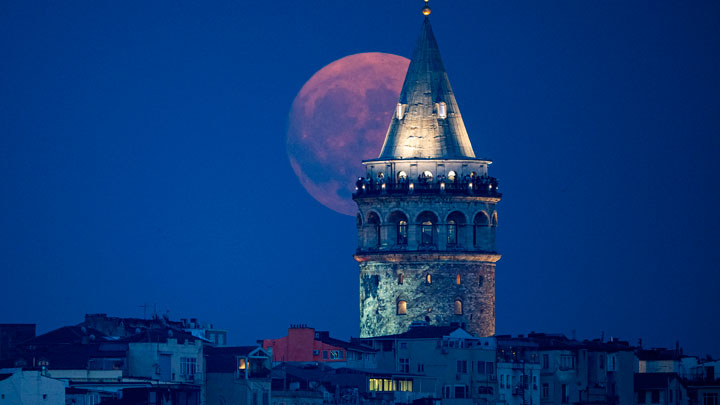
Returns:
point(340, 117)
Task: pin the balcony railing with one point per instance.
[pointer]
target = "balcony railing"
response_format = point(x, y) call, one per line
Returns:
point(480, 186)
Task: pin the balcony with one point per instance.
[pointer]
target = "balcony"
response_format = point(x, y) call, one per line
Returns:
point(480, 187)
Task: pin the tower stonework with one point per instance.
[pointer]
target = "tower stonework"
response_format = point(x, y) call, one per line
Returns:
point(426, 213)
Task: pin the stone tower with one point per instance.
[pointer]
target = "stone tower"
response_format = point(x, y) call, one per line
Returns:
point(426, 221)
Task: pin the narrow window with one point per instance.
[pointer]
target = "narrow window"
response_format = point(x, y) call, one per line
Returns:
point(428, 279)
point(481, 280)
point(427, 233)
point(399, 111)
point(442, 110)
point(458, 307)
point(400, 278)
point(452, 232)
point(402, 232)
point(402, 307)
point(457, 279)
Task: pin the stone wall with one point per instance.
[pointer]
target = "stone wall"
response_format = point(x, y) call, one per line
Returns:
point(434, 302)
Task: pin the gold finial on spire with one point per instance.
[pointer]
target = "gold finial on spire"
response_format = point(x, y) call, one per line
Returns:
point(426, 9)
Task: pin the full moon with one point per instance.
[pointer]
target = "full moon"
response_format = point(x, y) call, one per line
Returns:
point(340, 117)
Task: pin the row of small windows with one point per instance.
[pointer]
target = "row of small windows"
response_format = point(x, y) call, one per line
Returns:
point(428, 279)
point(440, 107)
point(402, 307)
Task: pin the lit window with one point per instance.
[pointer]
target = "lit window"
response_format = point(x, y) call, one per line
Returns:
point(402, 176)
point(402, 232)
point(242, 363)
point(458, 307)
point(402, 307)
point(399, 111)
point(457, 279)
point(428, 279)
point(405, 385)
point(428, 175)
point(442, 110)
point(452, 175)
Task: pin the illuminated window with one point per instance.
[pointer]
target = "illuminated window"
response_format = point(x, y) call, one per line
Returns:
point(399, 111)
point(242, 363)
point(428, 175)
point(442, 110)
point(402, 232)
point(402, 307)
point(402, 176)
point(452, 232)
point(452, 175)
point(458, 307)
point(428, 279)
point(457, 279)
point(405, 385)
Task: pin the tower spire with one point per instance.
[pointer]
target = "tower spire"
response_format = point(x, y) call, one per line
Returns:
point(427, 122)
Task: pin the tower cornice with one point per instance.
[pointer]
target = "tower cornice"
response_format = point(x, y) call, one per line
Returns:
point(415, 256)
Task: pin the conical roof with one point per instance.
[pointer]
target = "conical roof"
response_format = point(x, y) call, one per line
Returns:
point(418, 128)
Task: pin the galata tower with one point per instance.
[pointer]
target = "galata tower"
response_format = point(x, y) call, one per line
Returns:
point(426, 213)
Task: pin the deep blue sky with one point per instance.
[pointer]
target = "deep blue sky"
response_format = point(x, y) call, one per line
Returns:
point(142, 160)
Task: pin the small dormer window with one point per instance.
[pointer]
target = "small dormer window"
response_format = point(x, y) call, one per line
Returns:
point(400, 111)
point(442, 110)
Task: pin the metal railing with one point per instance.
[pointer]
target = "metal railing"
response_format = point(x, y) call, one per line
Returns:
point(483, 187)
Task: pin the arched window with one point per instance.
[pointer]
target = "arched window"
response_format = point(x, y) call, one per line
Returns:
point(427, 221)
point(454, 222)
point(480, 222)
point(400, 278)
point(458, 307)
point(452, 176)
point(402, 307)
point(373, 224)
point(425, 179)
point(481, 280)
point(402, 177)
point(358, 220)
point(494, 219)
point(399, 111)
point(401, 227)
point(457, 279)
point(428, 279)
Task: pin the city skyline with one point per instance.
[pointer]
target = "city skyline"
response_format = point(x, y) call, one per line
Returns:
point(145, 163)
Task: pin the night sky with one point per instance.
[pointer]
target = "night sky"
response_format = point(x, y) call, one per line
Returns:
point(143, 161)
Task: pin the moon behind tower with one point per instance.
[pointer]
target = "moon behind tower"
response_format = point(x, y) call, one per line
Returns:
point(340, 117)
